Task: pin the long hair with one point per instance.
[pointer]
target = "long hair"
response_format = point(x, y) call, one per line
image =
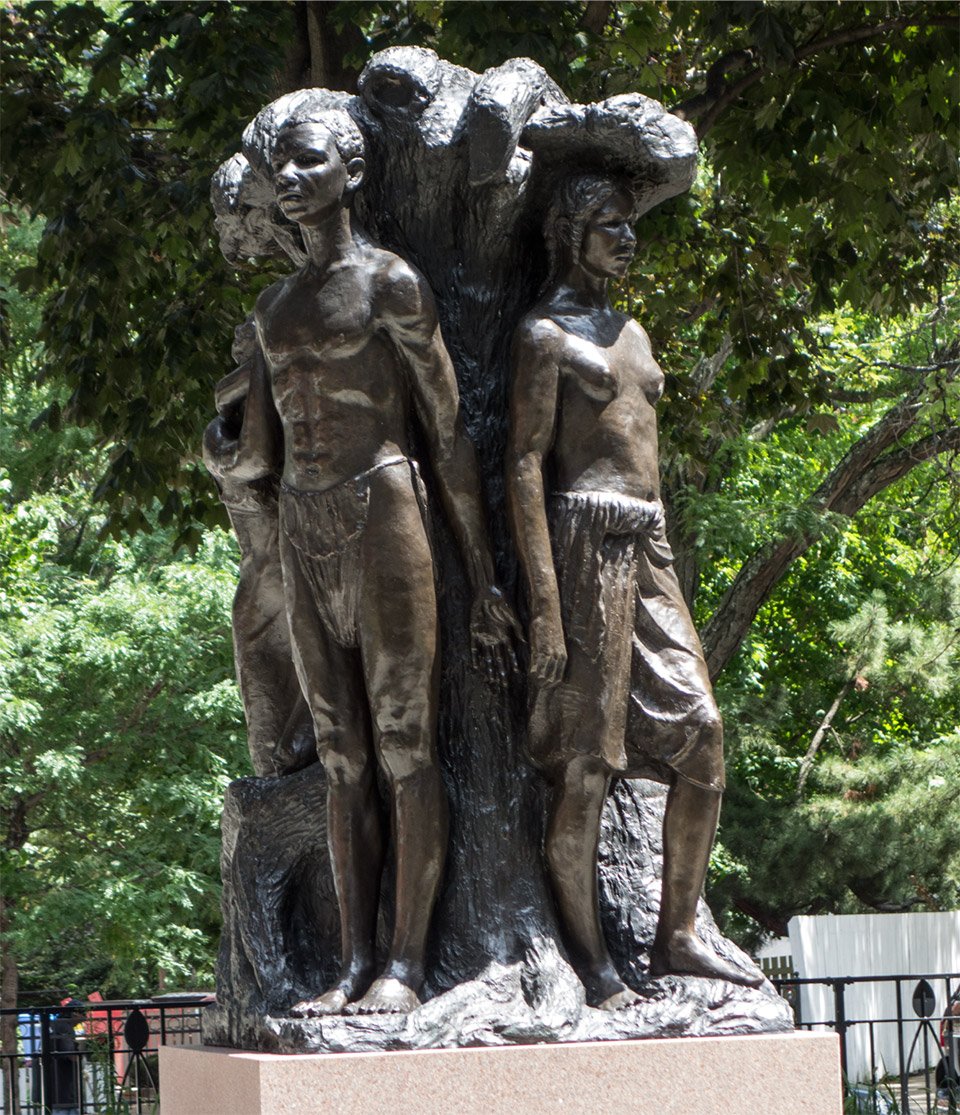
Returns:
point(576, 199)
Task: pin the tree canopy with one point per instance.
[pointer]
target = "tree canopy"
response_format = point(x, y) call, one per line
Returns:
point(120, 723)
point(801, 298)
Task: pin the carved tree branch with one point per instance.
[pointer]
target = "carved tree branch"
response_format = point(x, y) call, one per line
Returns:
point(866, 469)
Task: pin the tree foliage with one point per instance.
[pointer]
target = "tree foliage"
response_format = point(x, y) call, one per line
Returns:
point(829, 142)
point(118, 713)
point(115, 121)
point(801, 298)
point(119, 717)
point(842, 706)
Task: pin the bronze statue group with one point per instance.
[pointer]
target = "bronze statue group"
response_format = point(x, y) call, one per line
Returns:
point(336, 620)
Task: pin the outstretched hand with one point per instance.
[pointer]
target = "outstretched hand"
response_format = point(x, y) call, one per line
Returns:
point(494, 632)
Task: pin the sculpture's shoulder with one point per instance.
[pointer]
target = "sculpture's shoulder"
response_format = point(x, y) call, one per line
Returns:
point(403, 295)
point(634, 329)
point(538, 334)
point(271, 295)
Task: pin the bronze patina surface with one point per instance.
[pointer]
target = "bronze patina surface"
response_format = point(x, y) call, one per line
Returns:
point(483, 854)
point(350, 348)
point(619, 684)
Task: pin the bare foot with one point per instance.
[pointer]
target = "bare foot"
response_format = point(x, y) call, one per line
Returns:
point(354, 978)
point(687, 955)
point(621, 1000)
point(330, 1002)
point(386, 996)
point(605, 989)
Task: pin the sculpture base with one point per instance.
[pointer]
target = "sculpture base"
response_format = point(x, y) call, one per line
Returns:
point(792, 1074)
point(539, 1000)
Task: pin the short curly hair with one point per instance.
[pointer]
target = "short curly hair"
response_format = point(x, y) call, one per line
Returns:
point(325, 107)
point(339, 123)
point(575, 200)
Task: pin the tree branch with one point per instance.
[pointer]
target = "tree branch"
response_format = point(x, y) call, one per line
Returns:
point(596, 13)
point(716, 83)
point(845, 395)
point(881, 905)
point(709, 106)
point(17, 828)
point(769, 919)
point(818, 735)
point(143, 703)
point(859, 34)
point(894, 466)
point(762, 430)
point(329, 46)
point(865, 469)
point(707, 368)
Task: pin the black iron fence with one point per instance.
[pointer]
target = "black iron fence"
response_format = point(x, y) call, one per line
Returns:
point(899, 1037)
point(94, 1058)
point(899, 1046)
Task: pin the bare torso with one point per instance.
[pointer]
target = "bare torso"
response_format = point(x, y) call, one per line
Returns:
point(606, 432)
point(336, 377)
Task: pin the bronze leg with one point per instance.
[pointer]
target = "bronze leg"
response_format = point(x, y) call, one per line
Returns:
point(330, 678)
point(689, 826)
point(572, 841)
point(398, 637)
point(261, 644)
point(355, 839)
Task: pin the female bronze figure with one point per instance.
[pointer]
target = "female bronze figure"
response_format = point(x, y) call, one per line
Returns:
point(619, 686)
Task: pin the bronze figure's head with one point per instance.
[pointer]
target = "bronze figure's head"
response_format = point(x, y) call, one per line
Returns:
point(590, 224)
point(317, 163)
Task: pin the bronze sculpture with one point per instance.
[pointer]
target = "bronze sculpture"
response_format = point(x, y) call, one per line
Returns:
point(236, 445)
point(456, 165)
point(352, 347)
point(619, 684)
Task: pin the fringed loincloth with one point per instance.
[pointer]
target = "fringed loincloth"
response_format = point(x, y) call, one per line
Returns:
point(636, 693)
point(323, 531)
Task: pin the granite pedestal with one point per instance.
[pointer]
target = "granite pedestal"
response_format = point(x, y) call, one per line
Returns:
point(768, 1074)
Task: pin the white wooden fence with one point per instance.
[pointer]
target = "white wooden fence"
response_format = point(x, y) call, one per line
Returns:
point(875, 945)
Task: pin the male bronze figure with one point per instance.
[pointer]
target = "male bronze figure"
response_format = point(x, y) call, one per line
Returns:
point(619, 684)
point(352, 349)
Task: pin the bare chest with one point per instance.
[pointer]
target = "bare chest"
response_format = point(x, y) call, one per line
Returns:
point(310, 318)
point(618, 371)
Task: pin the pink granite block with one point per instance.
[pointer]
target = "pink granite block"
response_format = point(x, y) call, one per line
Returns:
point(771, 1074)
